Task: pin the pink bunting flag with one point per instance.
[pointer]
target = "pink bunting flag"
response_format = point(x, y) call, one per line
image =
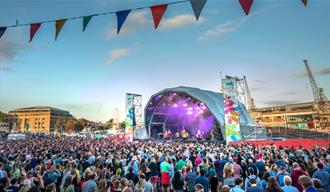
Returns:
point(246, 5)
point(157, 13)
point(33, 29)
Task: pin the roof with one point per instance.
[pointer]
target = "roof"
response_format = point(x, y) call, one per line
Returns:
point(213, 100)
point(37, 108)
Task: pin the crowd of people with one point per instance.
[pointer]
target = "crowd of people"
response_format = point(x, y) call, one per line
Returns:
point(48, 163)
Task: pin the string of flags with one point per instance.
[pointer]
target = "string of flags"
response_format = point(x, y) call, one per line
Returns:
point(157, 12)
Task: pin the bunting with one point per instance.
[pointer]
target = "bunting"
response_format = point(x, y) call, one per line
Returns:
point(2, 31)
point(246, 5)
point(157, 13)
point(33, 29)
point(304, 2)
point(121, 17)
point(58, 25)
point(197, 6)
point(86, 20)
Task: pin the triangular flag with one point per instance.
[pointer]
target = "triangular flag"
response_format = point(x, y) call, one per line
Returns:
point(58, 25)
point(157, 13)
point(121, 17)
point(33, 29)
point(2, 31)
point(246, 5)
point(197, 6)
point(304, 2)
point(86, 20)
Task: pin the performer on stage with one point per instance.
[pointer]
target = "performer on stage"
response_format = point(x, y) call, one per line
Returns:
point(200, 134)
point(184, 134)
point(168, 134)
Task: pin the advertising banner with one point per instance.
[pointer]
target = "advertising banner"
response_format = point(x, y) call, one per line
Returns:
point(231, 110)
point(129, 121)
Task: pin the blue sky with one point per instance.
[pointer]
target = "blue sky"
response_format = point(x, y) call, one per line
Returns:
point(88, 73)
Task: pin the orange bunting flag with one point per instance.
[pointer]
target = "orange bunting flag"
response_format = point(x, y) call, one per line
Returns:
point(33, 29)
point(157, 13)
point(304, 2)
point(58, 25)
point(246, 5)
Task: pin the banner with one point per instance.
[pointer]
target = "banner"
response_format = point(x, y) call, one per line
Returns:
point(231, 110)
point(129, 121)
point(304, 2)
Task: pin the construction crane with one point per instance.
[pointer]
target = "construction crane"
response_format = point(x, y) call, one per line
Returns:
point(251, 105)
point(318, 93)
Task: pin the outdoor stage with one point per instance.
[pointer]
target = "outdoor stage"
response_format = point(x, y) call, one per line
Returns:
point(306, 143)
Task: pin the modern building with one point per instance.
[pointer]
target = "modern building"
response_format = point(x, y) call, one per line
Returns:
point(310, 115)
point(38, 119)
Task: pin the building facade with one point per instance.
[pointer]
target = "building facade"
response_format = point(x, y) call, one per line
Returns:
point(310, 115)
point(37, 119)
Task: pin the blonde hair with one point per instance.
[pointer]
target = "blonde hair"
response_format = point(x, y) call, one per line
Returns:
point(228, 170)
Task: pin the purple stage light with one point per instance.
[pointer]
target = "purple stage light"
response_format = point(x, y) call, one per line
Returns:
point(175, 105)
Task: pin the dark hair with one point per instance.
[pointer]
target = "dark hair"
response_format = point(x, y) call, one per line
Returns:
point(13, 181)
point(67, 182)
point(273, 185)
point(266, 175)
point(202, 171)
point(238, 181)
point(320, 165)
point(253, 181)
point(251, 170)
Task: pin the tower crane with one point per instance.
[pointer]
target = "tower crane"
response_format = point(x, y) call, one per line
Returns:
point(318, 93)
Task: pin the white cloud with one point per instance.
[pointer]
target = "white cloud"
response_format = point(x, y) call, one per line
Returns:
point(179, 21)
point(221, 29)
point(8, 52)
point(116, 54)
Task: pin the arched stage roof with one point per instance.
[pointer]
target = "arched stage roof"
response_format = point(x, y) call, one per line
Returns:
point(213, 100)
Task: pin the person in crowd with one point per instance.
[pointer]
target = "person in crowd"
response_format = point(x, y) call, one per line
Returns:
point(288, 185)
point(253, 187)
point(225, 188)
point(238, 185)
point(68, 186)
point(251, 172)
point(237, 168)
point(318, 185)
point(102, 186)
point(125, 185)
point(228, 174)
point(323, 176)
point(295, 174)
point(177, 182)
point(272, 185)
point(154, 172)
point(201, 179)
point(190, 179)
point(181, 163)
point(199, 188)
point(307, 184)
point(14, 185)
point(165, 169)
point(279, 176)
point(264, 180)
point(143, 185)
point(90, 184)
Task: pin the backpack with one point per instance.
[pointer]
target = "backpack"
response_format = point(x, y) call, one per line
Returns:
point(251, 177)
point(279, 178)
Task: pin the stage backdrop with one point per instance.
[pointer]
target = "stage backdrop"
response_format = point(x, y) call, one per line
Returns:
point(231, 110)
point(129, 121)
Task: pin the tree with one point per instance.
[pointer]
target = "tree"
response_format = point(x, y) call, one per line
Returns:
point(3, 117)
point(109, 123)
point(58, 123)
point(70, 126)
